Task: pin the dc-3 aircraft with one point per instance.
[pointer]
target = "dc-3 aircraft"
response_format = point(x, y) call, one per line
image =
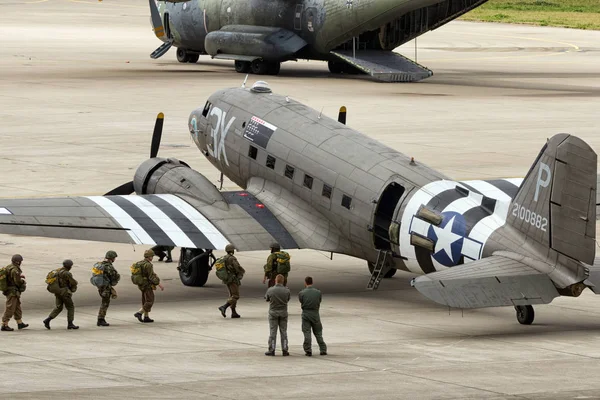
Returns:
point(352, 35)
point(312, 182)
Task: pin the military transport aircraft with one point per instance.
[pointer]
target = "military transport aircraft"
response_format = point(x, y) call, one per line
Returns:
point(352, 35)
point(312, 182)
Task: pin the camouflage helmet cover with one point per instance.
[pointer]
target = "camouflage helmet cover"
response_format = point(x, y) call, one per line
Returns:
point(229, 248)
point(111, 254)
point(275, 246)
point(148, 253)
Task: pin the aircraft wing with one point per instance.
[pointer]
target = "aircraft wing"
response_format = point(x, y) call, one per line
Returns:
point(489, 282)
point(163, 219)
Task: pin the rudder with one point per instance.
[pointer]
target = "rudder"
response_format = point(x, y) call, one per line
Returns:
point(556, 203)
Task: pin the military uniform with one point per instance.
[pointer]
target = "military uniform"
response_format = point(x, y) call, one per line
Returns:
point(310, 299)
point(235, 273)
point(15, 286)
point(147, 284)
point(163, 251)
point(278, 296)
point(64, 298)
point(271, 270)
point(106, 292)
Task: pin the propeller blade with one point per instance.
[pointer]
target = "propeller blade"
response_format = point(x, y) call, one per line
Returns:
point(156, 135)
point(126, 188)
point(342, 115)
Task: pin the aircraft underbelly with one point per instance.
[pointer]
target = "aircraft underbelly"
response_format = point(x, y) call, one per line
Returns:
point(465, 214)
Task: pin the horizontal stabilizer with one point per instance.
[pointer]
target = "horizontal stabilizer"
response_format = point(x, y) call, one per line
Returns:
point(489, 282)
point(385, 66)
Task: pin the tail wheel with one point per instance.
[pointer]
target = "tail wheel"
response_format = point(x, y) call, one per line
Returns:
point(525, 314)
point(242, 67)
point(182, 55)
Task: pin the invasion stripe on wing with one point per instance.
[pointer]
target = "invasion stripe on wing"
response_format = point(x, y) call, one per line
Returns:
point(137, 233)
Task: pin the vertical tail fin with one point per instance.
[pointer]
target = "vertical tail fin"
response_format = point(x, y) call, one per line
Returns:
point(556, 203)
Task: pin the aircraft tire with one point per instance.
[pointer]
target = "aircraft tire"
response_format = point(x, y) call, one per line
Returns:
point(525, 314)
point(194, 266)
point(273, 68)
point(182, 55)
point(387, 275)
point(259, 67)
point(243, 67)
point(193, 58)
point(335, 67)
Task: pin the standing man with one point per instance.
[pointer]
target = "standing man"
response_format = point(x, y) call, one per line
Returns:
point(310, 299)
point(15, 285)
point(66, 286)
point(142, 274)
point(278, 262)
point(108, 278)
point(235, 273)
point(278, 296)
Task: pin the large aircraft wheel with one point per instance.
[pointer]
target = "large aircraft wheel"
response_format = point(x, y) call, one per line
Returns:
point(193, 58)
point(242, 67)
point(182, 55)
point(335, 67)
point(273, 68)
point(259, 67)
point(388, 274)
point(525, 314)
point(194, 266)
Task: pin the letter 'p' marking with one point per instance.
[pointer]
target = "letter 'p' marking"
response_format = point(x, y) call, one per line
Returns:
point(542, 183)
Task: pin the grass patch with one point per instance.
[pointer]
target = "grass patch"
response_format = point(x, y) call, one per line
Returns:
point(580, 14)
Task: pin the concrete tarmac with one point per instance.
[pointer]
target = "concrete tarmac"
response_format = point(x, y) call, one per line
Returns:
point(78, 98)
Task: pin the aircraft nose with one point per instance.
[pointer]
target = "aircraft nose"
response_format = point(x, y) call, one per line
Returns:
point(193, 122)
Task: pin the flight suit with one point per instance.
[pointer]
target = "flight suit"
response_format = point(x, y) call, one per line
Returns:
point(15, 286)
point(271, 270)
point(236, 273)
point(278, 296)
point(151, 280)
point(112, 277)
point(68, 286)
point(310, 299)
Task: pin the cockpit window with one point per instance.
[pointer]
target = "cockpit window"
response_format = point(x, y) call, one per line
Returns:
point(206, 109)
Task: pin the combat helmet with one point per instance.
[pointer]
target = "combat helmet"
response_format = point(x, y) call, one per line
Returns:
point(230, 248)
point(148, 253)
point(16, 259)
point(275, 246)
point(68, 263)
point(111, 254)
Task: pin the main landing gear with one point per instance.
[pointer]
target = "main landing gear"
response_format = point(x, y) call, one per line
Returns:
point(258, 67)
point(194, 266)
point(184, 56)
point(525, 314)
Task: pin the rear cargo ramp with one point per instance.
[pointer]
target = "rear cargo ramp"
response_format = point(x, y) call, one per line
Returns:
point(384, 66)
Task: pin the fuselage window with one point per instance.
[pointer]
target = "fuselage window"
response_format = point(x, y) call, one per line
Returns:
point(308, 181)
point(346, 201)
point(252, 152)
point(271, 162)
point(326, 191)
point(206, 109)
point(289, 171)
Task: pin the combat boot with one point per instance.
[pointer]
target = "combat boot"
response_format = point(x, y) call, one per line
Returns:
point(22, 325)
point(147, 319)
point(286, 353)
point(71, 325)
point(270, 353)
point(168, 260)
point(138, 315)
point(47, 322)
point(224, 308)
point(102, 322)
point(6, 328)
point(234, 313)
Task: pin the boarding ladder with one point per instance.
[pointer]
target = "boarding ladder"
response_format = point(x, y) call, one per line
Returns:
point(380, 269)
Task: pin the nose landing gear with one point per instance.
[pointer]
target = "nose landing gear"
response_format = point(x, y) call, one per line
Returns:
point(184, 56)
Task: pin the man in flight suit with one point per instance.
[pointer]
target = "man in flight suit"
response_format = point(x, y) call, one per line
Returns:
point(310, 299)
point(68, 286)
point(278, 296)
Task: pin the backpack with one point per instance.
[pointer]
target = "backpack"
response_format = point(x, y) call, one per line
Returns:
point(98, 279)
point(3, 279)
point(52, 281)
point(221, 269)
point(283, 262)
point(137, 276)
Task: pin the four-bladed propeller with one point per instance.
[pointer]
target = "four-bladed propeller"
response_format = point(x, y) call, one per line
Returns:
point(127, 188)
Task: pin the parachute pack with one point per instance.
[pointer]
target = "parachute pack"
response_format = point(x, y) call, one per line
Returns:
point(52, 281)
point(221, 270)
point(137, 276)
point(283, 262)
point(98, 279)
point(3, 279)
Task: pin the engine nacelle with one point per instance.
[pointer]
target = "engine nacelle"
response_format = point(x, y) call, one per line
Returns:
point(254, 41)
point(171, 176)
